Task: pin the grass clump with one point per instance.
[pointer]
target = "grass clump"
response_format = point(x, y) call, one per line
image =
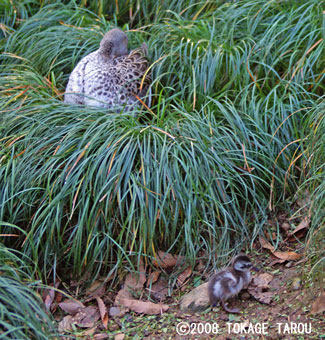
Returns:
point(21, 309)
point(95, 191)
point(315, 186)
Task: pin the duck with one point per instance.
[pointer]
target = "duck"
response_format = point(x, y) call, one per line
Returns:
point(111, 77)
point(229, 282)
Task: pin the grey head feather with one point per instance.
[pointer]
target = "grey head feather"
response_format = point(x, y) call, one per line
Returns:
point(114, 44)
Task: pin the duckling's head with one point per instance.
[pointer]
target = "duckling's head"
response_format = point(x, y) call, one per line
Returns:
point(242, 263)
point(114, 44)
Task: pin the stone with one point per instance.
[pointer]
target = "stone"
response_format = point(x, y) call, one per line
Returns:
point(196, 300)
point(296, 283)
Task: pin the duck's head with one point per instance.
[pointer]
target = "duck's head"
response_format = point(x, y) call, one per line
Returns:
point(243, 263)
point(114, 44)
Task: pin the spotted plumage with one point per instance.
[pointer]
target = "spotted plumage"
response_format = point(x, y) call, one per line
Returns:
point(111, 77)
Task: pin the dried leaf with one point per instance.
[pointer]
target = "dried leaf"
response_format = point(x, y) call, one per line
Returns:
point(264, 297)
point(166, 260)
point(184, 275)
point(65, 324)
point(90, 331)
point(98, 288)
point(153, 277)
point(319, 305)
point(101, 336)
point(159, 290)
point(304, 224)
point(102, 311)
point(287, 255)
point(262, 280)
point(124, 298)
point(147, 307)
point(275, 261)
point(201, 267)
point(87, 317)
point(266, 244)
point(71, 306)
point(119, 336)
point(135, 281)
point(121, 296)
point(49, 295)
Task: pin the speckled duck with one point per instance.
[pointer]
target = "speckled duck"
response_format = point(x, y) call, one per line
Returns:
point(111, 76)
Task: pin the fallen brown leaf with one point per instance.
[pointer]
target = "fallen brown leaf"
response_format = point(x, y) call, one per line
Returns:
point(284, 255)
point(264, 297)
point(102, 311)
point(153, 277)
point(266, 244)
point(125, 299)
point(275, 261)
point(71, 306)
point(119, 336)
point(304, 224)
point(87, 317)
point(90, 331)
point(159, 289)
point(98, 288)
point(318, 305)
point(100, 336)
point(147, 307)
point(135, 281)
point(65, 324)
point(166, 260)
point(300, 230)
point(262, 280)
point(49, 295)
point(287, 255)
point(184, 275)
point(201, 266)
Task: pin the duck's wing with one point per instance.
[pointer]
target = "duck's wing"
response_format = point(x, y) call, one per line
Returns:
point(75, 91)
point(133, 72)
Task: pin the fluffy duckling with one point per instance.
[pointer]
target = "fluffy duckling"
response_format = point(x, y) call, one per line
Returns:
point(111, 76)
point(230, 281)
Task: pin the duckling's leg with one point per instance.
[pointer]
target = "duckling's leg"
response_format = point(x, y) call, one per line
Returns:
point(224, 306)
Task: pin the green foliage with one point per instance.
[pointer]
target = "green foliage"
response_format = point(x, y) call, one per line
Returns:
point(21, 309)
point(95, 191)
point(315, 183)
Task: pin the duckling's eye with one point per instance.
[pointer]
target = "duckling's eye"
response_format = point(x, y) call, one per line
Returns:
point(247, 265)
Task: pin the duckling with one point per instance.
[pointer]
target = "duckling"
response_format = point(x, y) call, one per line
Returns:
point(111, 76)
point(230, 281)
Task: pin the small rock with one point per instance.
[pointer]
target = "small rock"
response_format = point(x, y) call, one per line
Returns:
point(296, 283)
point(114, 311)
point(289, 265)
point(196, 300)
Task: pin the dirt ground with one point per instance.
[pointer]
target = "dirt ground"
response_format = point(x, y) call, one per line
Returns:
point(286, 317)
